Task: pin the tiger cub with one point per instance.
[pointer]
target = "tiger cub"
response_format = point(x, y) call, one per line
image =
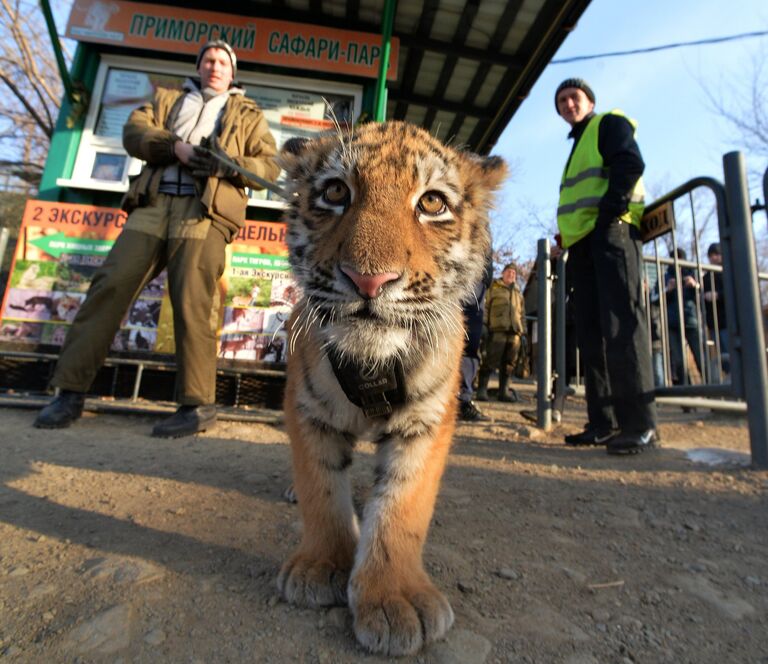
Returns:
point(387, 233)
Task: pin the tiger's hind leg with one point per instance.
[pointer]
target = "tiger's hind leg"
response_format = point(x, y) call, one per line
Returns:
point(318, 571)
point(396, 607)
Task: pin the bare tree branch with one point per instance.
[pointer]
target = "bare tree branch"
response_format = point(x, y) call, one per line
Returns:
point(742, 101)
point(29, 72)
point(47, 128)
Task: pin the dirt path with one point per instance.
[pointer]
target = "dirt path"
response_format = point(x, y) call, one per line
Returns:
point(117, 547)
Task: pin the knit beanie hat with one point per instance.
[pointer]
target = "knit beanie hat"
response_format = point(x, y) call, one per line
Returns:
point(218, 43)
point(510, 266)
point(579, 83)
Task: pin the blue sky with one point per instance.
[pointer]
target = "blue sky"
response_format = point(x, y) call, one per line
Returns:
point(679, 134)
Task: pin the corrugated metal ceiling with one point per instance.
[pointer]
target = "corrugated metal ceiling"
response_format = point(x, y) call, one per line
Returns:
point(465, 66)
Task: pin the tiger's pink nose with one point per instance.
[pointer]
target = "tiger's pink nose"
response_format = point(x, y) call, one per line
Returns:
point(369, 285)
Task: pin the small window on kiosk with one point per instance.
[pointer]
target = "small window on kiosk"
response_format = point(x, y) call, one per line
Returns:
point(109, 167)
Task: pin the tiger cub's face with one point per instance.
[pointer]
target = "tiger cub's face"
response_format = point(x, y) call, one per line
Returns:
point(388, 233)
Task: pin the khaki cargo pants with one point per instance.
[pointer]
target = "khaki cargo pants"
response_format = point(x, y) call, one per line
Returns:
point(173, 233)
point(501, 350)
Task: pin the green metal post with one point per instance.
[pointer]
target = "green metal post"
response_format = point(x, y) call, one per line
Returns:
point(54, 35)
point(380, 106)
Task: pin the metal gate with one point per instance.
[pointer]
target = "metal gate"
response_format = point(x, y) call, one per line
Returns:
point(736, 380)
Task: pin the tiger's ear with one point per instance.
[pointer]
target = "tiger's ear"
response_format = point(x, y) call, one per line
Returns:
point(291, 154)
point(495, 168)
point(295, 145)
point(490, 170)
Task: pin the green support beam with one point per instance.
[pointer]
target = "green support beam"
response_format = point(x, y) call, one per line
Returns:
point(69, 87)
point(380, 106)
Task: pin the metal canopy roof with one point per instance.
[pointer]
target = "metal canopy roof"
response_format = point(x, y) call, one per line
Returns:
point(464, 67)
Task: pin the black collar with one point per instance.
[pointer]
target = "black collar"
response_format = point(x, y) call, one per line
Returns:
point(578, 129)
point(376, 391)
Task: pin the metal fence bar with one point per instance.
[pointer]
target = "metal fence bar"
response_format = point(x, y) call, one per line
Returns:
point(681, 336)
point(4, 235)
point(544, 334)
point(715, 391)
point(752, 340)
point(666, 370)
point(705, 275)
point(699, 301)
point(765, 192)
point(137, 382)
point(703, 402)
point(561, 360)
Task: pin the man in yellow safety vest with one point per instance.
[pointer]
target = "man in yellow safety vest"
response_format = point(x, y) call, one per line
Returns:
point(601, 203)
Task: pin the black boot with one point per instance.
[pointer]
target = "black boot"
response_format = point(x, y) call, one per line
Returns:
point(482, 385)
point(62, 411)
point(504, 395)
point(469, 412)
point(186, 421)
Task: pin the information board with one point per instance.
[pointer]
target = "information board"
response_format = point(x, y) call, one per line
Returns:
point(60, 247)
point(254, 39)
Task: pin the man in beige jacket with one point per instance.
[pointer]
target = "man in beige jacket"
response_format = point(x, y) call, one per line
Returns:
point(504, 312)
point(184, 207)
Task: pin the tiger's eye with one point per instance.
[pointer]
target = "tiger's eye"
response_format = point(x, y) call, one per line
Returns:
point(336, 192)
point(432, 203)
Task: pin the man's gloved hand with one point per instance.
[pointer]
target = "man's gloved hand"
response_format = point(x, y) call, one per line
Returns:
point(204, 164)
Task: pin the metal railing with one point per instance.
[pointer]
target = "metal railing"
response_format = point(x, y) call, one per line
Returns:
point(4, 235)
point(720, 381)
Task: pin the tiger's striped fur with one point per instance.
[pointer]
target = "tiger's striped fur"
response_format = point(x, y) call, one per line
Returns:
point(388, 233)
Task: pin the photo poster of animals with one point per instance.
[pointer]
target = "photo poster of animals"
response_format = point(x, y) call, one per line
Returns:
point(61, 245)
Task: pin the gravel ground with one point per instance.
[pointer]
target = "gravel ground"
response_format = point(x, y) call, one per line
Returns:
point(117, 547)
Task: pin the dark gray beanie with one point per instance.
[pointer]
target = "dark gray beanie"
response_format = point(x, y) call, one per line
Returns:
point(579, 83)
point(218, 43)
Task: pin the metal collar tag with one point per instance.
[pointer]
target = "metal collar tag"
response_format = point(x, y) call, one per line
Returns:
point(375, 390)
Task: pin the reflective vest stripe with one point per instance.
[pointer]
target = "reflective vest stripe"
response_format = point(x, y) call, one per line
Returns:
point(590, 202)
point(585, 174)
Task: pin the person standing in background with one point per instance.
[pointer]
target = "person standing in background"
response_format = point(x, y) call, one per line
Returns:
point(690, 323)
point(184, 208)
point(470, 360)
point(600, 207)
point(714, 293)
point(504, 314)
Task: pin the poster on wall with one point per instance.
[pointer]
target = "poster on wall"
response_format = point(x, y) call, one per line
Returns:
point(293, 113)
point(125, 90)
point(60, 247)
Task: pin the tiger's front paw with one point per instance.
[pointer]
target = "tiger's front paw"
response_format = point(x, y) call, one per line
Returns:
point(310, 582)
point(402, 622)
